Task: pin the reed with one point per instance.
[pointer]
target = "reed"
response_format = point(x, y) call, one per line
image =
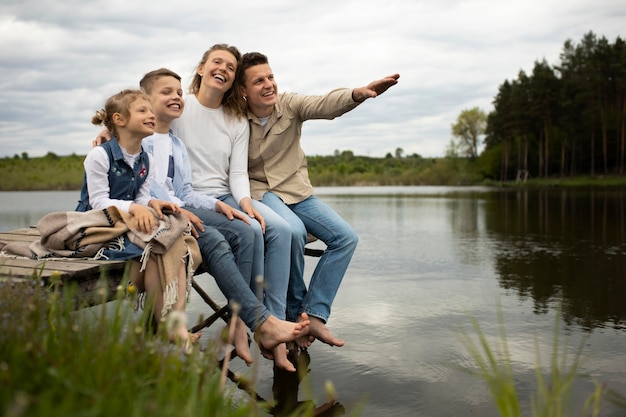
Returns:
point(553, 396)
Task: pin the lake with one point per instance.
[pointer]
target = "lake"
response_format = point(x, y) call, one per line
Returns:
point(431, 260)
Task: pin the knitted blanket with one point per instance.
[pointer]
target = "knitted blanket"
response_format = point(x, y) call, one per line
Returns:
point(72, 234)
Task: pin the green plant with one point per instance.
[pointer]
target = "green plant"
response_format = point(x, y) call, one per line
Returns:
point(56, 361)
point(552, 398)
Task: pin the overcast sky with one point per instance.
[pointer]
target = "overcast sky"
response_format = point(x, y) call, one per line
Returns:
point(61, 59)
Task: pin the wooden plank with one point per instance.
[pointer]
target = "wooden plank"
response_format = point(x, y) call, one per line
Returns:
point(70, 269)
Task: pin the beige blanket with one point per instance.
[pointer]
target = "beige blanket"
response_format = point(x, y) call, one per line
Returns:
point(71, 234)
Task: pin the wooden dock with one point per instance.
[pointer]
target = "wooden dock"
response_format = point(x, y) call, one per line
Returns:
point(87, 274)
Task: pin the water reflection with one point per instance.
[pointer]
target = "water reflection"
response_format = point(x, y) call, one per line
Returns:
point(286, 390)
point(563, 246)
point(430, 258)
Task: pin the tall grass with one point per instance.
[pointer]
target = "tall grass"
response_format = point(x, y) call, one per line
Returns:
point(55, 361)
point(553, 396)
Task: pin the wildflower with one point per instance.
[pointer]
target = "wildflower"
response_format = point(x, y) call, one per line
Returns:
point(131, 289)
point(55, 279)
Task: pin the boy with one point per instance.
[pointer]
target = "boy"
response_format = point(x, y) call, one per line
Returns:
point(174, 184)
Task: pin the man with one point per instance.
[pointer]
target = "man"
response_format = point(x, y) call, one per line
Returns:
point(279, 178)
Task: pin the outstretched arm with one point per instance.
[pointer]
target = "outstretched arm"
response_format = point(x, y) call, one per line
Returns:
point(375, 88)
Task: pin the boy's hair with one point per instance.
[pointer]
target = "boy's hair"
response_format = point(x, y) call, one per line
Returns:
point(148, 80)
point(118, 103)
point(233, 104)
point(248, 60)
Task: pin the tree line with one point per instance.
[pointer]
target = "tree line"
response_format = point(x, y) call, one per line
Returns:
point(343, 168)
point(563, 120)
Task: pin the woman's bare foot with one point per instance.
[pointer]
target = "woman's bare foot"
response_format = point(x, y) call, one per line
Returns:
point(240, 341)
point(274, 331)
point(304, 341)
point(318, 330)
point(280, 358)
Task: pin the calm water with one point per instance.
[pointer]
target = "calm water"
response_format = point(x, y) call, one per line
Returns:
point(431, 258)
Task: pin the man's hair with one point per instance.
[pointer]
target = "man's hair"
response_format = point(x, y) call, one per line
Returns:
point(148, 80)
point(250, 59)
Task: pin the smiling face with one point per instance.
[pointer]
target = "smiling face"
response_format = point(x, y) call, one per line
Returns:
point(260, 89)
point(166, 94)
point(218, 71)
point(140, 121)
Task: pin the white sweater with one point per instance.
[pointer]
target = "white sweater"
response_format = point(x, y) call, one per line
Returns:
point(218, 149)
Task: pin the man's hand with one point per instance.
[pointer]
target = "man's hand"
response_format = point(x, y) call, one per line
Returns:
point(375, 88)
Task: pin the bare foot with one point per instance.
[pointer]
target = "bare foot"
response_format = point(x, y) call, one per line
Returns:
point(176, 327)
point(181, 337)
point(274, 331)
point(280, 358)
point(318, 330)
point(240, 341)
point(304, 341)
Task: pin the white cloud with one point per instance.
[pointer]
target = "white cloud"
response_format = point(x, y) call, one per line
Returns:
point(62, 59)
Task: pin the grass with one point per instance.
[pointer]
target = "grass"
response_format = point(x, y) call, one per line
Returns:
point(553, 396)
point(100, 361)
point(55, 361)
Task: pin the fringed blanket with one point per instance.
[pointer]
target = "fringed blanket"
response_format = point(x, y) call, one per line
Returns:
point(72, 234)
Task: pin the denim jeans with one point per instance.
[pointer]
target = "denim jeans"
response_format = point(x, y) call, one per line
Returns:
point(227, 248)
point(319, 219)
point(271, 256)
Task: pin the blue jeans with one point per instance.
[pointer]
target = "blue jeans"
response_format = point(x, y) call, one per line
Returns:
point(271, 255)
point(227, 248)
point(319, 219)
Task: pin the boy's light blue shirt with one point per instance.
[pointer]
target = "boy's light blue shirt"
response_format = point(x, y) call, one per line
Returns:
point(182, 177)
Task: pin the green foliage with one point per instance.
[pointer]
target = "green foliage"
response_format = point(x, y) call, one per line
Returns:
point(470, 125)
point(553, 394)
point(55, 361)
point(50, 172)
point(347, 169)
point(565, 120)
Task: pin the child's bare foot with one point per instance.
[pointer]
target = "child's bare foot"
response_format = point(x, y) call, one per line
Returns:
point(318, 330)
point(280, 358)
point(274, 331)
point(240, 341)
point(176, 327)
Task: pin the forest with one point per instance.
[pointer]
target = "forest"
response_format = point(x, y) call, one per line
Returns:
point(563, 120)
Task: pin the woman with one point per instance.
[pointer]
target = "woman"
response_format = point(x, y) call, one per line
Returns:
point(216, 136)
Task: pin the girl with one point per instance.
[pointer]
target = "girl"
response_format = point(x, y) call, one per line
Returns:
point(117, 173)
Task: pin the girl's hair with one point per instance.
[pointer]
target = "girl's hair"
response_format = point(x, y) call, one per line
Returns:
point(233, 104)
point(118, 103)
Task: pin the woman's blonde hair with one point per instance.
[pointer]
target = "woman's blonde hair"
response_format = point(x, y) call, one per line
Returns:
point(233, 104)
point(118, 103)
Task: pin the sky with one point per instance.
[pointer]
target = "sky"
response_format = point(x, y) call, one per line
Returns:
point(61, 59)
